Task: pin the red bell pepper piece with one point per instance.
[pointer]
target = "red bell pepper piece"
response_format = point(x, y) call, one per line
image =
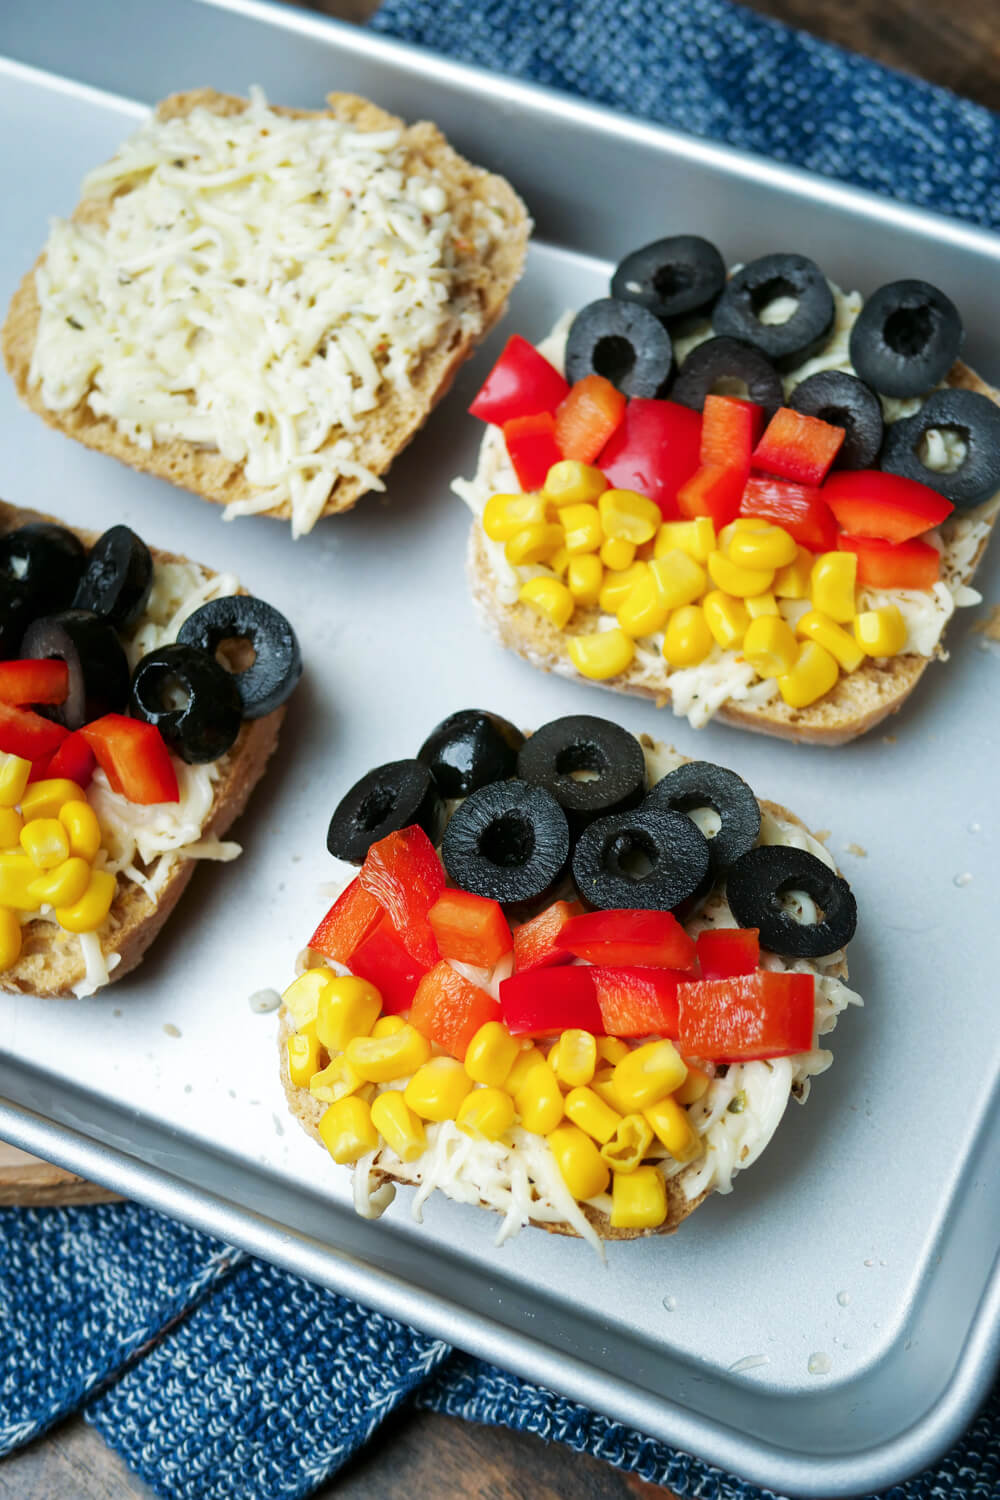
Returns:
point(867, 502)
point(449, 1010)
point(134, 758)
point(798, 447)
point(713, 491)
point(382, 959)
point(893, 565)
point(637, 1002)
point(654, 451)
point(403, 873)
point(536, 943)
point(531, 443)
point(653, 939)
point(469, 928)
point(799, 508)
point(586, 419)
point(28, 735)
point(34, 681)
point(749, 1016)
point(520, 384)
point(73, 761)
point(551, 1000)
point(353, 916)
point(730, 428)
point(724, 951)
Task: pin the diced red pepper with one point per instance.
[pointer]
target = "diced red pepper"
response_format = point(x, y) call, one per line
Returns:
point(403, 873)
point(536, 943)
point(27, 734)
point(382, 959)
point(551, 1000)
point(469, 928)
point(893, 565)
point(649, 938)
point(867, 502)
point(33, 681)
point(799, 508)
point(750, 1016)
point(134, 758)
point(798, 447)
point(520, 384)
point(724, 951)
point(714, 492)
point(531, 444)
point(654, 451)
point(449, 1010)
point(638, 1002)
point(586, 419)
point(353, 917)
point(730, 428)
point(73, 761)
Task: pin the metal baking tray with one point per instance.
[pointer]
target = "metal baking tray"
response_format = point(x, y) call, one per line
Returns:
point(862, 1247)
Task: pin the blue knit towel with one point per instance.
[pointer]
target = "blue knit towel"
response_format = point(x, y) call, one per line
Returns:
point(215, 1375)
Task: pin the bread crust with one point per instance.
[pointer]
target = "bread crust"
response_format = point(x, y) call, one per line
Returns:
point(859, 701)
point(50, 964)
point(485, 283)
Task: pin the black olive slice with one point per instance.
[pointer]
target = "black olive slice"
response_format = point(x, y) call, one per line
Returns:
point(508, 841)
point(277, 665)
point(649, 857)
point(624, 343)
point(844, 401)
point(16, 615)
point(117, 579)
point(699, 783)
point(397, 795)
point(205, 724)
point(756, 883)
point(46, 560)
point(98, 667)
point(676, 279)
point(972, 418)
point(590, 766)
point(469, 749)
point(718, 365)
point(740, 311)
point(906, 338)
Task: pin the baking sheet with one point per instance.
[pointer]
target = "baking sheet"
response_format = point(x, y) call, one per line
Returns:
point(850, 1276)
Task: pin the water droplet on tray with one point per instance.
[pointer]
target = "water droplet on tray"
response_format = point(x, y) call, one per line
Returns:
point(670, 1303)
point(262, 1001)
point(964, 879)
point(819, 1363)
point(843, 1298)
point(975, 827)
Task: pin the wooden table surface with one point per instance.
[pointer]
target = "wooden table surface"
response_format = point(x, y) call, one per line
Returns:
point(951, 42)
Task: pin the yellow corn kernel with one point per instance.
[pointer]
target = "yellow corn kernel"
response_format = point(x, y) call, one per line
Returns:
point(617, 553)
point(17, 874)
point(45, 843)
point(14, 773)
point(87, 914)
point(335, 1081)
point(734, 578)
point(603, 1085)
point(539, 1100)
point(687, 639)
point(533, 544)
point(742, 523)
point(491, 1054)
point(10, 828)
point(694, 1087)
point(577, 1058)
point(695, 537)
point(45, 799)
point(761, 604)
point(880, 632)
point(840, 644)
point(62, 886)
point(588, 1110)
point(582, 524)
point(388, 1025)
point(679, 579)
point(628, 1145)
point(505, 515)
point(383, 1059)
point(727, 618)
point(347, 1007)
point(831, 585)
point(347, 1130)
point(525, 1061)
point(638, 1199)
point(649, 1073)
point(611, 1049)
point(570, 482)
point(629, 516)
point(814, 673)
point(303, 1051)
point(437, 1089)
point(584, 577)
point(552, 1058)
point(82, 828)
point(579, 1162)
point(552, 599)
point(769, 645)
point(559, 563)
point(617, 585)
point(394, 1119)
point(763, 546)
point(302, 997)
point(792, 581)
point(606, 653)
point(644, 612)
point(671, 1126)
point(486, 1112)
point(10, 938)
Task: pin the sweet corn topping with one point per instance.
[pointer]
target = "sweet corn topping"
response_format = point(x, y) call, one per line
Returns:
point(87, 914)
point(736, 578)
point(403, 1131)
point(814, 673)
point(841, 645)
point(762, 604)
point(694, 1087)
point(10, 828)
point(792, 581)
point(346, 1008)
point(17, 872)
point(533, 544)
point(577, 1058)
point(570, 482)
point(582, 524)
point(388, 1025)
point(45, 843)
point(82, 828)
point(649, 1073)
point(579, 1162)
point(63, 885)
point(644, 612)
point(45, 799)
point(617, 586)
point(673, 1129)
point(437, 1089)
point(335, 1081)
point(769, 645)
point(505, 515)
point(832, 583)
point(10, 938)
point(696, 538)
point(539, 1100)
point(303, 1051)
point(762, 546)
point(491, 1054)
point(383, 1059)
point(679, 579)
point(617, 553)
point(629, 516)
point(588, 1110)
point(727, 618)
point(606, 654)
point(611, 1049)
point(486, 1112)
point(348, 1131)
point(526, 1061)
point(550, 598)
point(14, 773)
point(584, 577)
point(687, 639)
point(880, 632)
point(638, 1199)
